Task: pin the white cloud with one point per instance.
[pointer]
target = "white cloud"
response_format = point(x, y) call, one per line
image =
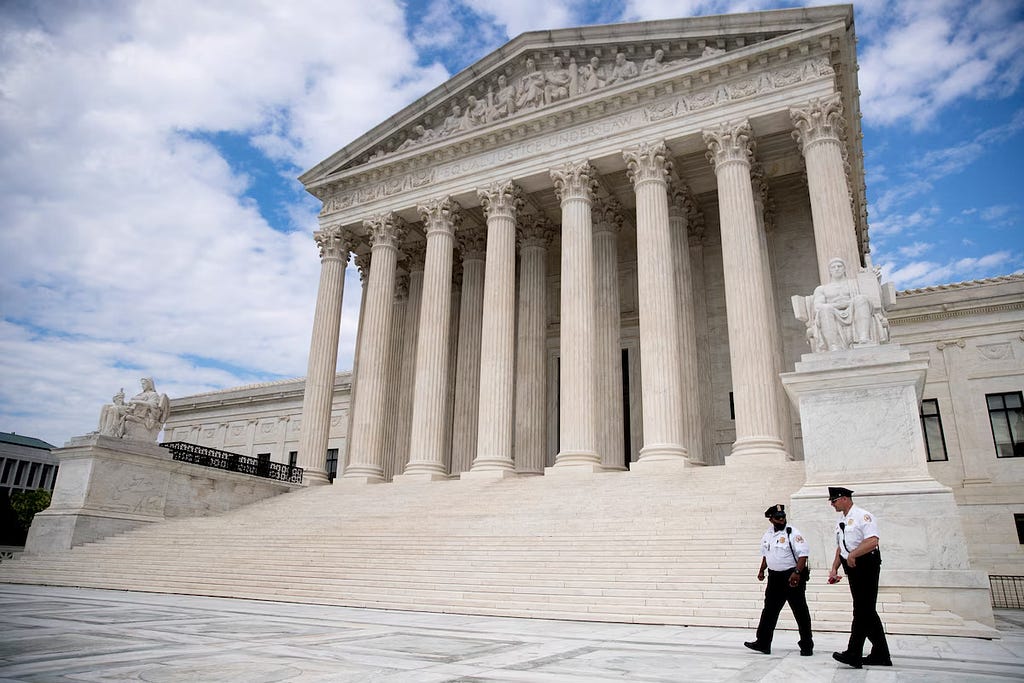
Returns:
point(927, 273)
point(128, 246)
point(914, 250)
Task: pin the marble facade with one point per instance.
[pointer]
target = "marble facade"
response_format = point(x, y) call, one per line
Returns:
point(578, 255)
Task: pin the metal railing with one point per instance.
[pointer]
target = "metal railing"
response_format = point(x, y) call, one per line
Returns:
point(1007, 591)
point(232, 462)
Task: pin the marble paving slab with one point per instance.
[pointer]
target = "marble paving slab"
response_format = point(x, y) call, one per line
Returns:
point(59, 635)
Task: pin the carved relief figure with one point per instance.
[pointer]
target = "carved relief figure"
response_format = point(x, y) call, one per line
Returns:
point(557, 82)
point(592, 76)
point(531, 88)
point(655, 63)
point(503, 103)
point(454, 123)
point(141, 418)
point(622, 70)
point(476, 112)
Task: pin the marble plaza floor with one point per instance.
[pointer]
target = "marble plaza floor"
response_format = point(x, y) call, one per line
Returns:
point(68, 634)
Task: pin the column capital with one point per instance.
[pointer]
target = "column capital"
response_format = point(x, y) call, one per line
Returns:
point(820, 120)
point(335, 242)
point(762, 196)
point(574, 180)
point(680, 199)
point(472, 242)
point(401, 286)
point(607, 215)
point(362, 262)
point(386, 229)
point(730, 142)
point(648, 161)
point(535, 230)
point(443, 214)
point(414, 256)
point(501, 198)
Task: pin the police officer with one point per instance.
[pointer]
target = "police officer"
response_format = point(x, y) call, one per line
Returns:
point(857, 551)
point(784, 554)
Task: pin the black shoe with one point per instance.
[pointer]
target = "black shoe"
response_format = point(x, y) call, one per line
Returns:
point(848, 659)
point(806, 653)
point(763, 649)
point(876, 660)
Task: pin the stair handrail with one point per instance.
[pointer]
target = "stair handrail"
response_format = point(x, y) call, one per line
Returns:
point(205, 456)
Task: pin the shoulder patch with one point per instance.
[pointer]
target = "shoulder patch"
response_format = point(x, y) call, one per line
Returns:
point(867, 518)
point(799, 539)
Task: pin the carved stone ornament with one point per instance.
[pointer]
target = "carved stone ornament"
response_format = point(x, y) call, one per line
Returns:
point(362, 262)
point(959, 343)
point(607, 215)
point(472, 241)
point(535, 230)
point(415, 256)
point(574, 180)
point(648, 161)
point(401, 287)
point(140, 418)
point(501, 198)
point(1000, 351)
point(820, 120)
point(386, 230)
point(730, 142)
point(845, 313)
point(440, 215)
point(334, 242)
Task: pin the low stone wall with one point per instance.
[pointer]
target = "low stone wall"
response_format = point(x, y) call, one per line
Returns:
point(107, 486)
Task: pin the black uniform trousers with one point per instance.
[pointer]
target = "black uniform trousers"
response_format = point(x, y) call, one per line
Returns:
point(777, 594)
point(866, 623)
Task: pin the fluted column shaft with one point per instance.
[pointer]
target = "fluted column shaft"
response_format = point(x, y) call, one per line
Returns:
point(334, 244)
point(407, 378)
point(531, 361)
point(366, 457)
point(647, 166)
point(393, 373)
point(750, 352)
point(608, 348)
point(467, 372)
point(819, 131)
point(690, 423)
point(426, 452)
point(501, 202)
point(574, 184)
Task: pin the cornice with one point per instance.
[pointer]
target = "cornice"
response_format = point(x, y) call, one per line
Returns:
point(897, 320)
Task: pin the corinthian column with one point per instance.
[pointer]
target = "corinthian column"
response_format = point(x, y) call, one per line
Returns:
point(531, 364)
point(501, 201)
point(607, 347)
point(415, 254)
point(335, 244)
point(575, 183)
point(426, 452)
point(366, 456)
point(750, 353)
point(692, 431)
point(393, 373)
point(819, 132)
point(473, 243)
point(647, 166)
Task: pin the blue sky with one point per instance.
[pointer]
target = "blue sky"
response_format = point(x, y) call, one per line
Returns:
point(152, 223)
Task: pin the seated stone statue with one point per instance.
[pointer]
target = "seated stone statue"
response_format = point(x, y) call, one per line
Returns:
point(140, 419)
point(845, 313)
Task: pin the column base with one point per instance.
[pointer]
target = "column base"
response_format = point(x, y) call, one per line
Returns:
point(574, 470)
point(418, 476)
point(357, 480)
point(662, 451)
point(314, 478)
point(487, 474)
point(757, 450)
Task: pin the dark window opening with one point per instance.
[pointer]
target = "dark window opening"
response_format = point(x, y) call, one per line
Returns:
point(332, 463)
point(1006, 415)
point(931, 424)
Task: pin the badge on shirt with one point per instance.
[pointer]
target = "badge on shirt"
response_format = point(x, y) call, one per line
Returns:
point(781, 540)
point(849, 521)
point(799, 539)
point(867, 518)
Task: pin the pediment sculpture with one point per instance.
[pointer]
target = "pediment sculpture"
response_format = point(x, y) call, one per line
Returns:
point(537, 88)
point(140, 418)
point(846, 313)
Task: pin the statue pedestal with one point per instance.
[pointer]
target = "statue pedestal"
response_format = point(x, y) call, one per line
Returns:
point(108, 486)
point(861, 429)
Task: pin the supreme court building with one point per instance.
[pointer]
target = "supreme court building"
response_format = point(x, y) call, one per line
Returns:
point(579, 255)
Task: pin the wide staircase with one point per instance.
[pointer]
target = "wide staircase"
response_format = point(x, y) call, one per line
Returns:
point(623, 547)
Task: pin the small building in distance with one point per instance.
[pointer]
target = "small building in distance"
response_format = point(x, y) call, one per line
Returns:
point(26, 463)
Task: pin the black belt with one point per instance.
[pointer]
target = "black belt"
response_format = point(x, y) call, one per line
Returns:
point(782, 571)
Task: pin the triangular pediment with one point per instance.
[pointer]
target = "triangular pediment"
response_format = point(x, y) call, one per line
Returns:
point(545, 70)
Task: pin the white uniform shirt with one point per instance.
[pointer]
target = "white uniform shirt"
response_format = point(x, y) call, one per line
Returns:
point(775, 548)
point(858, 524)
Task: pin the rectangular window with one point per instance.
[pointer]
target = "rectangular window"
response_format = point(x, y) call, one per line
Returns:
point(732, 407)
point(263, 464)
point(1006, 414)
point(19, 478)
point(33, 470)
point(1018, 519)
point(44, 478)
point(293, 458)
point(8, 467)
point(931, 424)
point(332, 463)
